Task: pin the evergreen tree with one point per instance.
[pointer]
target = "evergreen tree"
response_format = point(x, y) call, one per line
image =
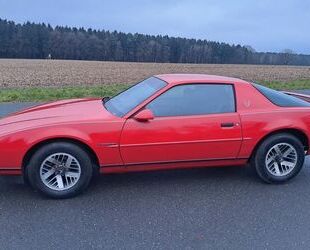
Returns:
point(30, 40)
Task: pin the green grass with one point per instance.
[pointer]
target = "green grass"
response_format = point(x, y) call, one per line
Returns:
point(52, 93)
point(294, 85)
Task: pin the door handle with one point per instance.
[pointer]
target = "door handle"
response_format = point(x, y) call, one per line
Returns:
point(227, 124)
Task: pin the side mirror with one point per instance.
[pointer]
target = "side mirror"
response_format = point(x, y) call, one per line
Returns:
point(144, 115)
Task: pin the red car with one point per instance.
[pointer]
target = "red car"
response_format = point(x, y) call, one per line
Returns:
point(164, 122)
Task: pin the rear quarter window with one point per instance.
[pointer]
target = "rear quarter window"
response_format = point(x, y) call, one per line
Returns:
point(280, 99)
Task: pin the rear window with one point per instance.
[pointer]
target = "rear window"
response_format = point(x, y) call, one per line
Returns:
point(280, 99)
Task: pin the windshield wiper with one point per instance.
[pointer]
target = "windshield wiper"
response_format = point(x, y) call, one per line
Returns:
point(105, 99)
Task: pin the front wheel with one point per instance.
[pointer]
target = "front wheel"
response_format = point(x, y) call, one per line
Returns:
point(279, 158)
point(60, 170)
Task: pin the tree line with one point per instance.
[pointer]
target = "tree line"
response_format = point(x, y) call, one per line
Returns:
point(38, 41)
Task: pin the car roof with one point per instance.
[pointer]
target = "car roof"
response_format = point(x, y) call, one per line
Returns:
point(197, 78)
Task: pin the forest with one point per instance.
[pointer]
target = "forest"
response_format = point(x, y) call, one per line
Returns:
point(39, 41)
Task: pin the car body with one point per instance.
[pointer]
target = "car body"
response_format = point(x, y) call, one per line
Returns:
point(139, 140)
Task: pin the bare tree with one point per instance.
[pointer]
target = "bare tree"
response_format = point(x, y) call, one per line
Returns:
point(250, 48)
point(287, 56)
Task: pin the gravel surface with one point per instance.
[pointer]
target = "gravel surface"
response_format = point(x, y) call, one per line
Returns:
point(7, 108)
point(223, 208)
point(307, 92)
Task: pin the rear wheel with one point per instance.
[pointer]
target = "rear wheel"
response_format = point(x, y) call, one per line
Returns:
point(60, 170)
point(279, 158)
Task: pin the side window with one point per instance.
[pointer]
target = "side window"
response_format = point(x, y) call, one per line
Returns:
point(194, 99)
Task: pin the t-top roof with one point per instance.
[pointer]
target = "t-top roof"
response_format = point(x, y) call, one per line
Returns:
point(195, 78)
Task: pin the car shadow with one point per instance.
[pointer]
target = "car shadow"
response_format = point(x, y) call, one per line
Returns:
point(103, 185)
point(16, 185)
point(213, 174)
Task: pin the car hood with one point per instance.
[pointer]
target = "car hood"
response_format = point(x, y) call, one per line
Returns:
point(65, 111)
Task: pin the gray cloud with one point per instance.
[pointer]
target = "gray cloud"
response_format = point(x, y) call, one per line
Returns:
point(266, 25)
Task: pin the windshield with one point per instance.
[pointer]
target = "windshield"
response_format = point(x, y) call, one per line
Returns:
point(124, 102)
point(281, 99)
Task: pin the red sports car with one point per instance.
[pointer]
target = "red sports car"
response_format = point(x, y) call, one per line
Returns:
point(164, 122)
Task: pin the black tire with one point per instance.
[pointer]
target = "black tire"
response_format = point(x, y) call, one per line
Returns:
point(260, 156)
point(82, 157)
point(26, 177)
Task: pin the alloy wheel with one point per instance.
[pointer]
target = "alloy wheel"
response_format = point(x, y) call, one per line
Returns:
point(281, 159)
point(60, 171)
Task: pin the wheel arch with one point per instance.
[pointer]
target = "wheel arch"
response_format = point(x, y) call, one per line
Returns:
point(38, 145)
point(293, 131)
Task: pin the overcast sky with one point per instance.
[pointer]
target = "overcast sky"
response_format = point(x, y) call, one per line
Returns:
point(266, 25)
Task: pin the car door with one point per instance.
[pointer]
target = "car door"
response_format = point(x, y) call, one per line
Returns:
point(192, 122)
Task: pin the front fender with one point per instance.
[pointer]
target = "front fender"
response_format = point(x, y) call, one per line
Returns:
point(13, 147)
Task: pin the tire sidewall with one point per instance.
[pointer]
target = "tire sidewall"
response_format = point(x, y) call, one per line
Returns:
point(33, 169)
point(266, 146)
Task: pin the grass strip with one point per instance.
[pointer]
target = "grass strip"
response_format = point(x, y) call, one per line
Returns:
point(54, 93)
point(293, 85)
